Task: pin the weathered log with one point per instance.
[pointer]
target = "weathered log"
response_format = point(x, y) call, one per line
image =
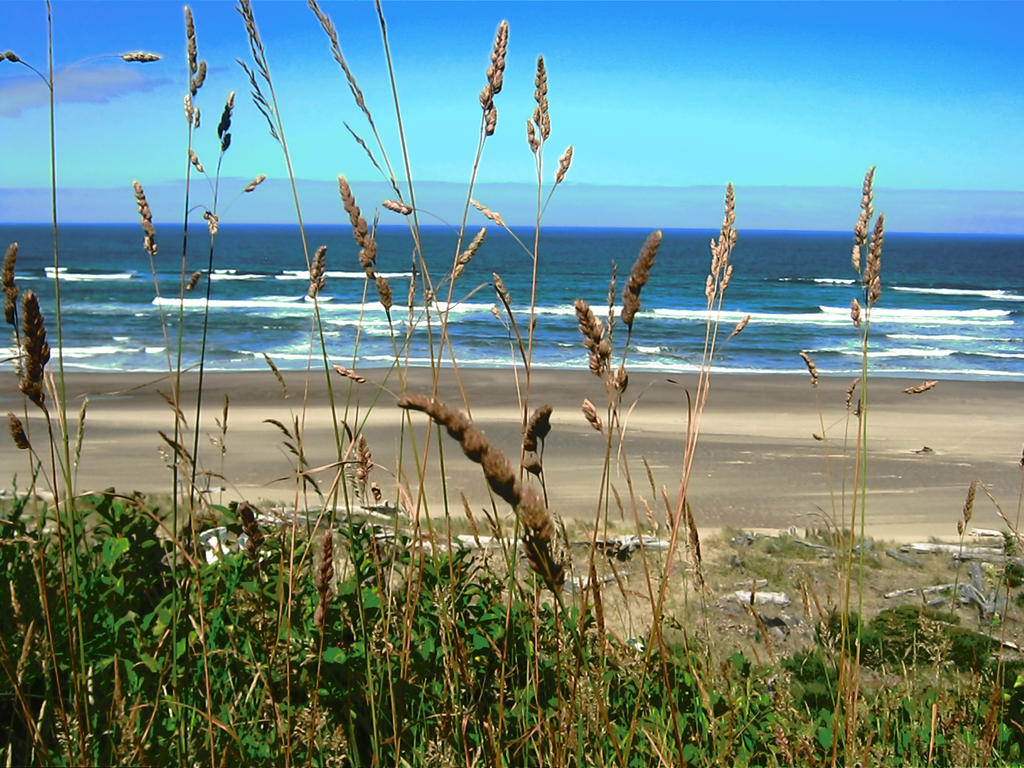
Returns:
point(918, 591)
point(905, 559)
point(759, 598)
point(953, 549)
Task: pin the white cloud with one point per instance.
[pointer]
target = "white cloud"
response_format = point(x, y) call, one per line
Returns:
point(83, 85)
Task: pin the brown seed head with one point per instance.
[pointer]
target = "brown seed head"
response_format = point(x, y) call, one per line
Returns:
point(590, 413)
point(492, 215)
point(364, 461)
point(467, 255)
point(17, 431)
point(638, 277)
point(140, 57)
point(360, 231)
point(10, 56)
point(968, 511)
point(855, 313)
point(197, 80)
point(872, 279)
point(540, 95)
point(537, 428)
point(621, 379)
point(348, 373)
point(397, 206)
point(317, 281)
point(501, 290)
point(811, 368)
point(194, 159)
point(384, 293)
point(9, 286)
point(849, 392)
point(146, 219)
point(594, 340)
point(323, 577)
point(496, 72)
point(212, 221)
point(721, 250)
point(190, 44)
point(564, 162)
point(860, 230)
point(254, 183)
point(740, 326)
point(193, 280)
point(247, 513)
point(35, 350)
point(224, 126)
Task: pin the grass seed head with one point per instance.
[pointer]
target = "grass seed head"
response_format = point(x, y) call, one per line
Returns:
point(254, 183)
point(564, 163)
point(35, 350)
point(9, 286)
point(146, 219)
point(17, 430)
point(811, 368)
point(638, 277)
point(140, 57)
point(537, 428)
point(317, 280)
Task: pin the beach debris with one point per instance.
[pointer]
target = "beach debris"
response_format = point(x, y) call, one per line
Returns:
point(820, 548)
point(623, 547)
point(934, 547)
point(753, 597)
point(917, 389)
point(905, 559)
point(924, 450)
point(986, 533)
point(932, 590)
point(214, 542)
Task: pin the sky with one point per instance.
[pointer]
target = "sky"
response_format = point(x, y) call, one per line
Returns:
point(663, 102)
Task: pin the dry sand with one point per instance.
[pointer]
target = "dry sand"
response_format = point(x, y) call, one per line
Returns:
point(757, 464)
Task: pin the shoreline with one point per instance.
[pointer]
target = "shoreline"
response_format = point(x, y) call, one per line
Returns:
point(756, 465)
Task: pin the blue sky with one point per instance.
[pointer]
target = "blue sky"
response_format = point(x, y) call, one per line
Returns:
point(664, 102)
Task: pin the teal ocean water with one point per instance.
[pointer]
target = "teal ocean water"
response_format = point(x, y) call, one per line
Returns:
point(952, 306)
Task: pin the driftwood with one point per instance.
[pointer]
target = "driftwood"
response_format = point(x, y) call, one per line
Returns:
point(962, 552)
point(918, 591)
point(820, 548)
point(986, 533)
point(905, 559)
point(759, 598)
point(623, 547)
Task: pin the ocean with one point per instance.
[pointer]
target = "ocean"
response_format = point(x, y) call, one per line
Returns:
point(952, 306)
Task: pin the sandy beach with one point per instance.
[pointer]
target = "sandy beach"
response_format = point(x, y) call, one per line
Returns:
point(757, 463)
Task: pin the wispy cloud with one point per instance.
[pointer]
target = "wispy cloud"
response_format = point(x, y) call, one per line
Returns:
point(97, 85)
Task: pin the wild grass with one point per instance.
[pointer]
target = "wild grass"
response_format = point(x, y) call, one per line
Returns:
point(376, 623)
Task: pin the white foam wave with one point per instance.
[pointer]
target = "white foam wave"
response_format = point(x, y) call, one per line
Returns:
point(903, 352)
point(997, 294)
point(934, 316)
point(80, 352)
point(88, 276)
point(943, 337)
point(303, 274)
point(233, 274)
